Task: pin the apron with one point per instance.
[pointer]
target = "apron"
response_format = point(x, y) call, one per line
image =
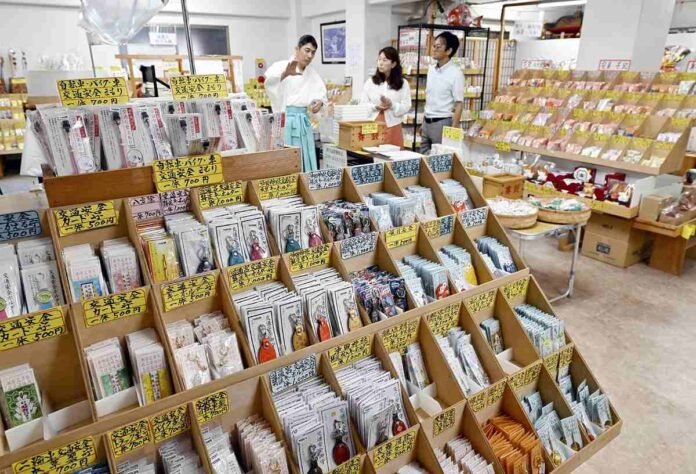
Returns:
point(392, 135)
point(298, 132)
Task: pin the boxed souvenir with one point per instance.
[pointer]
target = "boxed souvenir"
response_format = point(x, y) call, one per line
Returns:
point(356, 135)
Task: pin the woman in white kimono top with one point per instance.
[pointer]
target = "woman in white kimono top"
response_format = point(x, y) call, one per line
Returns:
point(389, 95)
point(296, 88)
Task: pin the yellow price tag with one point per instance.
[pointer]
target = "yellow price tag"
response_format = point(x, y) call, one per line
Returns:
point(280, 186)
point(34, 327)
point(130, 437)
point(350, 351)
point(688, 231)
point(188, 290)
point(308, 258)
point(400, 236)
point(516, 288)
point(480, 302)
point(170, 423)
point(369, 128)
point(348, 467)
point(65, 459)
point(116, 306)
point(502, 146)
point(71, 220)
point(199, 86)
point(444, 319)
point(187, 172)
point(443, 421)
point(396, 338)
point(211, 406)
point(94, 91)
point(252, 273)
point(394, 448)
point(222, 194)
point(453, 133)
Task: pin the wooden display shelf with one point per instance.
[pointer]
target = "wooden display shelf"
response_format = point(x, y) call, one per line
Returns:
point(669, 165)
point(670, 248)
point(129, 182)
point(605, 207)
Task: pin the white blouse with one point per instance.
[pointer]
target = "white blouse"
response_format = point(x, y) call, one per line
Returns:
point(401, 100)
point(293, 91)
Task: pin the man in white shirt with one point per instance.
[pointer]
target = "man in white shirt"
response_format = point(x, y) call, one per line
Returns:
point(295, 88)
point(444, 92)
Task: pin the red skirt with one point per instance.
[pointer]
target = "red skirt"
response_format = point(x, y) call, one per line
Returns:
point(392, 135)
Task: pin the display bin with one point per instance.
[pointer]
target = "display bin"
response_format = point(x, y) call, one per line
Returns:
point(449, 230)
point(359, 253)
point(518, 352)
point(117, 316)
point(356, 348)
point(458, 421)
point(45, 342)
point(441, 321)
point(457, 172)
point(665, 82)
point(411, 446)
point(222, 195)
point(500, 399)
point(535, 136)
point(441, 390)
point(143, 438)
point(669, 105)
point(631, 124)
point(187, 299)
point(409, 240)
point(331, 185)
point(525, 113)
point(550, 394)
point(569, 360)
point(650, 101)
point(371, 178)
point(411, 172)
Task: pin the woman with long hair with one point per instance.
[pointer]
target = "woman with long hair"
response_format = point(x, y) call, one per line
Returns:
point(389, 95)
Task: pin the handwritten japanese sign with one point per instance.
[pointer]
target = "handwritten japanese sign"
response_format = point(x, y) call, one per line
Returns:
point(453, 133)
point(400, 236)
point(440, 163)
point(439, 227)
point(358, 245)
point(406, 168)
point(525, 377)
point(487, 397)
point(19, 225)
point(444, 319)
point(367, 174)
point(71, 220)
point(369, 128)
point(62, 460)
point(394, 448)
point(145, 208)
point(474, 217)
point(95, 91)
point(551, 363)
point(292, 374)
point(480, 302)
point(308, 258)
point(176, 201)
point(34, 327)
point(188, 290)
point(324, 179)
point(614, 64)
point(350, 351)
point(116, 306)
point(198, 86)
point(170, 423)
point(349, 467)
point(187, 172)
point(565, 357)
point(130, 437)
point(252, 273)
point(516, 289)
point(211, 406)
point(396, 338)
point(280, 186)
point(222, 194)
point(502, 146)
point(443, 421)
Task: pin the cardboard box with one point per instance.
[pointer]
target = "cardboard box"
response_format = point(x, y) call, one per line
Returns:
point(652, 205)
point(611, 227)
point(509, 186)
point(620, 253)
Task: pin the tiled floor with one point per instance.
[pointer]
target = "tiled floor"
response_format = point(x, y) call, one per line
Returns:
point(636, 328)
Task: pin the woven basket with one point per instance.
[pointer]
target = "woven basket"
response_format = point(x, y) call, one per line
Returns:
point(564, 217)
point(517, 222)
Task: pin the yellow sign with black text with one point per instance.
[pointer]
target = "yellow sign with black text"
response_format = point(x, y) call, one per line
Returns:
point(308, 258)
point(211, 406)
point(222, 194)
point(188, 290)
point(92, 91)
point(199, 86)
point(65, 459)
point(34, 327)
point(72, 220)
point(400, 236)
point(252, 273)
point(116, 306)
point(187, 172)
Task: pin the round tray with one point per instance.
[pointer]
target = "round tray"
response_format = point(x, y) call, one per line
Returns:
point(564, 217)
point(517, 222)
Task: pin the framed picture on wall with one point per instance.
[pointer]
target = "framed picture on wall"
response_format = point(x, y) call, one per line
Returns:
point(333, 42)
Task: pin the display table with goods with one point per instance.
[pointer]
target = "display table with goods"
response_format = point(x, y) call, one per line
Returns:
point(238, 323)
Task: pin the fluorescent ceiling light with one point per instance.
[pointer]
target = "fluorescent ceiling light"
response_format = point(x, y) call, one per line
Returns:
point(568, 3)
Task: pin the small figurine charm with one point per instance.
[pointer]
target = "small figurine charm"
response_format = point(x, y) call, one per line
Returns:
point(266, 350)
point(313, 460)
point(323, 329)
point(398, 426)
point(255, 251)
point(315, 239)
point(291, 243)
point(234, 256)
point(340, 451)
point(205, 264)
point(299, 335)
point(354, 321)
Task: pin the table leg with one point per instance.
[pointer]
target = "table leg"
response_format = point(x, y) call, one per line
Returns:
point(571, 276)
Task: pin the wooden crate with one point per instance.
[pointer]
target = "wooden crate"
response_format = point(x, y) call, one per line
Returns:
point(355, 135)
